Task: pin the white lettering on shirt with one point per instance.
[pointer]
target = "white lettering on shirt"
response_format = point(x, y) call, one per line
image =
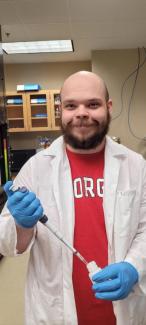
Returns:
point(88, 187)
point(78, 190)
point(100, 187)
point(88, 184)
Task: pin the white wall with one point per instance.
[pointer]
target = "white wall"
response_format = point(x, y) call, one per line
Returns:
point(48, 75)
point(114, 66)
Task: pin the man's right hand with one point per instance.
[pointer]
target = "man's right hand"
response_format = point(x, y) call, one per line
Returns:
point(25, 208)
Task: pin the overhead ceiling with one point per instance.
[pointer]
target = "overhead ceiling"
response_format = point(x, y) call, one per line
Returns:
point(91, 24)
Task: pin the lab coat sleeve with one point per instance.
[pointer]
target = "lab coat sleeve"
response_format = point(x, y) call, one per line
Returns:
point(8, 233)
point(137, 253)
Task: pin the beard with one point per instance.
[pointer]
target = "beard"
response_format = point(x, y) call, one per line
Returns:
point(92, 141)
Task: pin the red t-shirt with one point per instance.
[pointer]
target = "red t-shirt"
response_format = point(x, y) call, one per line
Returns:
point(89, 236)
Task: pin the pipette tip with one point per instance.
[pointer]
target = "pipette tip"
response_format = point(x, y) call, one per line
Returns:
point(81, 258)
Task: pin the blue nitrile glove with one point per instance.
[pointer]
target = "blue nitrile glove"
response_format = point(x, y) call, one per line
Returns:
point(25, 208)
point(115, 282)
point(6, 188)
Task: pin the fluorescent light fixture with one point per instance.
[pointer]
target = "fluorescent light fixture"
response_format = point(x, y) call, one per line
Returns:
point(38, 47)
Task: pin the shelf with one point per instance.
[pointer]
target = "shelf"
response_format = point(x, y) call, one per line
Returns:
point(37, 104)
point(14, 106)
point(15, 118)
point(16, 130)
point(38, 128)
point(39, 118)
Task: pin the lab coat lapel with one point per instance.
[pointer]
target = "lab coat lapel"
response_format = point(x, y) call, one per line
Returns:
point(63, 193)
point(113, 159)
point(62, 186)
point(65, 205)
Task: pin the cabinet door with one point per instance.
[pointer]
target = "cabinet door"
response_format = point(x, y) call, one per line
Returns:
point(38, 107)
point(16, 112)
point(55, 110)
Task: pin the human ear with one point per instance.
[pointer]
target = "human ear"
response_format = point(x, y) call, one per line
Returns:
point(110, 106)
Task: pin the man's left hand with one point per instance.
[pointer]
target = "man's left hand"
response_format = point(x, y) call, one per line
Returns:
point(114, 282)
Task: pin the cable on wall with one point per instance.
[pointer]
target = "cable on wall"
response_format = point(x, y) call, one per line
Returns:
point(132, 94)
point(139, 66)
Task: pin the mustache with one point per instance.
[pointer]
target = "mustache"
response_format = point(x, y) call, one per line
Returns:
point(83, 123)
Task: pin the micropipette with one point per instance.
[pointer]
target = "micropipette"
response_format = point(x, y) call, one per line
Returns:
point(91, 266)
point(44, 220)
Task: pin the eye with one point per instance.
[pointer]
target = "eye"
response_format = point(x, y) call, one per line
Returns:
point(70, 106)
point(93, 105)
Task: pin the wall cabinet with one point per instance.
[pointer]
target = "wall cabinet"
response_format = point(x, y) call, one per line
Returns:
point(55, 112)
point(16, 112)
point(33, 111)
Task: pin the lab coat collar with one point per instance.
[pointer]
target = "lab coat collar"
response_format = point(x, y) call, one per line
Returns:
point(55, 148)
point(115, 149)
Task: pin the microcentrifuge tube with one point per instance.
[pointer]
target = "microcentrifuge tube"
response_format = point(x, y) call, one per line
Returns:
point(93, 268)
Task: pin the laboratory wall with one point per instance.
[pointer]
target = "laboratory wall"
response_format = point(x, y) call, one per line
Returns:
point(49, 76)
point(116, 66)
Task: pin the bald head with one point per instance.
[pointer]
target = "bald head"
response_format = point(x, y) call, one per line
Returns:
point(84, 79)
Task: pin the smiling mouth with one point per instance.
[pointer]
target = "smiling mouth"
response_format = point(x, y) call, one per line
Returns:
point(83, 125)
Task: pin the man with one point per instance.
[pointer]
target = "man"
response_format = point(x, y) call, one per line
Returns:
point(94, 191)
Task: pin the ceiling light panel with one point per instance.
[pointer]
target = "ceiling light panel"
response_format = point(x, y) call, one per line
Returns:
point(38, 47)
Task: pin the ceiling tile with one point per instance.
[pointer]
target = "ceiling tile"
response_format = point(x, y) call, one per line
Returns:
point(103, 10)
point(8, 12)
point(38, 32)
point(107, 29)
point(36, 11)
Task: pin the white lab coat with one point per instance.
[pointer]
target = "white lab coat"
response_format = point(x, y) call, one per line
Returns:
point(49, 290)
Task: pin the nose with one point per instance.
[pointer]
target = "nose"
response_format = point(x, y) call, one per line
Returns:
point(82, 112)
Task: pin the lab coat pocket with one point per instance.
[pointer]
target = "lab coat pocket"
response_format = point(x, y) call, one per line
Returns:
point(124, 212)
